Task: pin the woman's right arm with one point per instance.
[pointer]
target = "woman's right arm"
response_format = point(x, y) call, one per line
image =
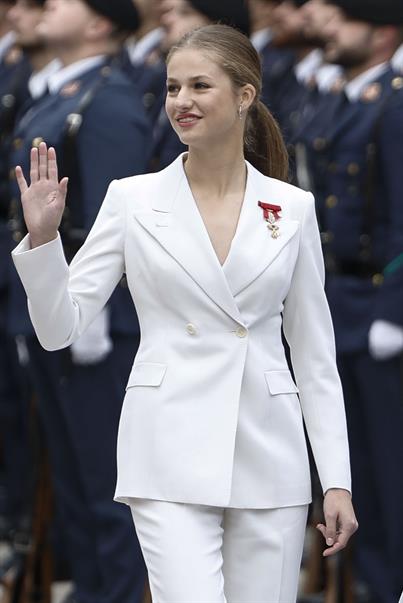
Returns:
point(64, 300)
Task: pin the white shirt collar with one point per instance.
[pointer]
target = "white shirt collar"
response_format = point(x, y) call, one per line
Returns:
point(5, 43)
point(261, 38)
point(38, 82)
point(139, 50)
point(73, 71)
point(305, 69)
point(355, 87)
point(397, 59)
point(326, 75)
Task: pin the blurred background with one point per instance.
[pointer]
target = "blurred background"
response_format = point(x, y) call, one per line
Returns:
point(89, 78)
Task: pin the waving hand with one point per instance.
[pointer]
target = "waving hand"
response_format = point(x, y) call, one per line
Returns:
point(43, 201)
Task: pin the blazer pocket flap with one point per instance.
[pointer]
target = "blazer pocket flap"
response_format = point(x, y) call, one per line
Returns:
point(147, 373)
point(280, 382)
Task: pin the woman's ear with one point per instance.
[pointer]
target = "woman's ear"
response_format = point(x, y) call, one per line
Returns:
point(247, 96)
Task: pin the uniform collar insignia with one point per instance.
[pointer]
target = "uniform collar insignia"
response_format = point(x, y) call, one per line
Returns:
point(371, 93)
point(70, 89)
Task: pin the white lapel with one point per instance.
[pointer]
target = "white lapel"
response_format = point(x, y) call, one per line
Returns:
point(253, 249)
point(177, 225)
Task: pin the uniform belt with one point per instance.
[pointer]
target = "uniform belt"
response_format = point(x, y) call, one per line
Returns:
point(352, 267)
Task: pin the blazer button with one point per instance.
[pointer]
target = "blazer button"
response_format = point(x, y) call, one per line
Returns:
point(241, 332)
point(191, 329)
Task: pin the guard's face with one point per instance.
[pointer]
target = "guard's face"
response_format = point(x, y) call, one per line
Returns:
point(316, 15)
point(261, 13)
point(177, 18)
point(288, 25)
point(24, 17)
point(348, 43)
point(65, 22)
point(201, 103)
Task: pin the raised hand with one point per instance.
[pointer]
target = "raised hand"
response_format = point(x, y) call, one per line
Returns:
point(43, 202)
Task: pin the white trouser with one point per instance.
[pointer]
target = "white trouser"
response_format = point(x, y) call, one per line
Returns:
point(203, 554)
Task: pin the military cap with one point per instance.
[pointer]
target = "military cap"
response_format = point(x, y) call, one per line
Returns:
point(229, 12)
point(121, 12)
point(377, 12)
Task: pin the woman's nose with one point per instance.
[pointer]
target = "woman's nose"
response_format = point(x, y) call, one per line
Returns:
point(183, 99)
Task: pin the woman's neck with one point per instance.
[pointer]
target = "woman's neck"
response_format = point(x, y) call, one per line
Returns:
point(215, 172)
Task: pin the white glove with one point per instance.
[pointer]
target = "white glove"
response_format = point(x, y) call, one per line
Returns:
point(385, 340)
point(95, 343)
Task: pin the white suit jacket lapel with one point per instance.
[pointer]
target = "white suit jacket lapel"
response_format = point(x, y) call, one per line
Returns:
point(253, 249)
point(177, 225)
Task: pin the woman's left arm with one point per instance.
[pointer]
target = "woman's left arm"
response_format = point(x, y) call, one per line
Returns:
point(309, 331)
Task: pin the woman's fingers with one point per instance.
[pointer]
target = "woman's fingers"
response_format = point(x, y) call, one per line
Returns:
point(342, 536)
point(63, 187)
point(43, 161)
point(22, 183)
point(34, 171)
point(52, 165)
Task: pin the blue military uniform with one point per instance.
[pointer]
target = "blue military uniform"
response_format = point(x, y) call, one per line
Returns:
point(80, 404)
point(354, 151)
point(14, 70)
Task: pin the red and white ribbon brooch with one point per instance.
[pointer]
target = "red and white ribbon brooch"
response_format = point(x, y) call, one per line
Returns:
point(270, 214)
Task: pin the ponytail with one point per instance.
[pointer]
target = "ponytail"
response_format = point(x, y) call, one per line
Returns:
point(264, 146)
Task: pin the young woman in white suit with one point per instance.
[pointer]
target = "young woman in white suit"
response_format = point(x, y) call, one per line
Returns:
point(219, 254)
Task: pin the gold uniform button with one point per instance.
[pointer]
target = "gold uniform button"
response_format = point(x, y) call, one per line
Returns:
point(353, 168)
point(241, 332)
point(397, 83)
point(37, 141)
point(331, 201)
point(377, 279)
point(17, 143)
point(11, 174)
point(191, 329)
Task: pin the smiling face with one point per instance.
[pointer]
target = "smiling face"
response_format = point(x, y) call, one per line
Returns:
point(202, 104)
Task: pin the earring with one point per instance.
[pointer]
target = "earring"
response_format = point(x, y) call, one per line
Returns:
point(240, 110)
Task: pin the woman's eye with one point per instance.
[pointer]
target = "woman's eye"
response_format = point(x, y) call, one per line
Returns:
point(201, 85)
point(171, 88)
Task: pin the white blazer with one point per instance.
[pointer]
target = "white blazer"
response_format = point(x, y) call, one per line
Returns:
point(211, 413)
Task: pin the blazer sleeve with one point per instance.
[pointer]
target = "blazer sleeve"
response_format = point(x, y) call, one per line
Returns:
point(309, 331)
point(63, 300)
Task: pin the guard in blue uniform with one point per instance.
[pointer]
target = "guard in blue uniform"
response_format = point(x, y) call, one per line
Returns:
point(95, 119)
point(354, 149)
point(14, 70)
point(177, 21)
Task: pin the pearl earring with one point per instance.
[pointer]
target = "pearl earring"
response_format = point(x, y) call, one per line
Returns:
point(240, 110)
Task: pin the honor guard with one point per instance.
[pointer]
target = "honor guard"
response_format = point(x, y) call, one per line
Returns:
point(14, 70)
point(353, 149)
point(143, 58)
point(92, 114)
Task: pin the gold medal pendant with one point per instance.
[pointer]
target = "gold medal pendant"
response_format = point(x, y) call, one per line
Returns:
point(271, 225)
point(275, 232)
